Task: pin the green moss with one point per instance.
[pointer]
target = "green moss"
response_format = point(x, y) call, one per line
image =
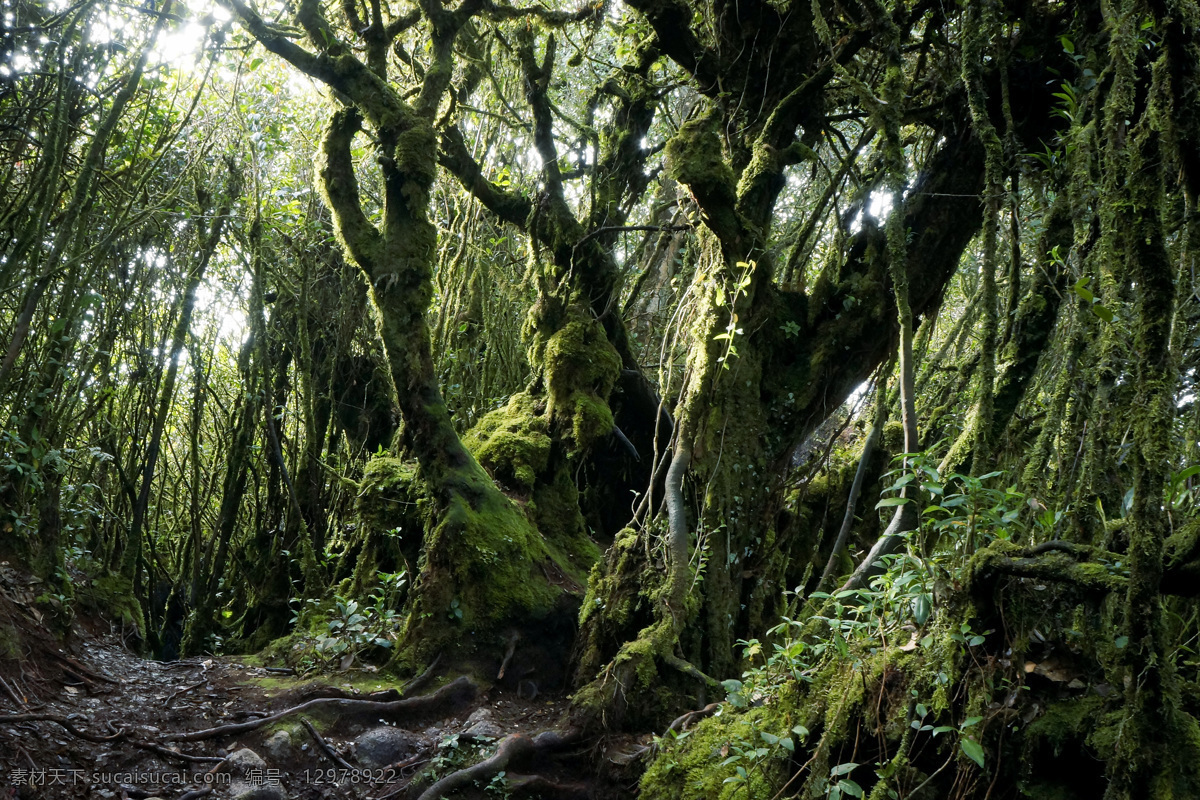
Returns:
point(481, 570)
point(393, 510)
point(581, 367)
point(513, 443)
point(1064, 724)
point(10, 642)
point(113, 595)
point(604, 596)
point(693, 766)
point(554, 509)
point(695, 158)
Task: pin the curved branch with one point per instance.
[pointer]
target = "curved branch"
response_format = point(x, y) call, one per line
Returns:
point(454, 156)
point(340, 187)
point(456, 691)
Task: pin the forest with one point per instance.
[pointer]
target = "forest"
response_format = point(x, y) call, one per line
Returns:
point(768, 399)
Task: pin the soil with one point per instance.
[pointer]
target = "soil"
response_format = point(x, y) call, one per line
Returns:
point(85, 717)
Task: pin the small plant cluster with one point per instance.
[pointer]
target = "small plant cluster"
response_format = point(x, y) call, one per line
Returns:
point(454, 753)
point(351, 630)
point(958, 514)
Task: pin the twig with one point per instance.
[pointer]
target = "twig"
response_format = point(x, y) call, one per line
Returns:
point(512, 648)
point(921, 786)
point(461, 688)
point(63, 721)
point(325, 746)
point(84, 670)
point(684, 720)
point(623, 228)
point(169, 753)
point(184, 690)
point(12, 693)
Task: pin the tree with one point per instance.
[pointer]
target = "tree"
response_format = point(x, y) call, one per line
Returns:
point(639, 280)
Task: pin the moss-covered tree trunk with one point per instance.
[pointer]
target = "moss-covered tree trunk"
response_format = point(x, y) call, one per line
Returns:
point(483, 565)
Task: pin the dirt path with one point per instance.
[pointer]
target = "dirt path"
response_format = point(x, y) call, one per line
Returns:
point(94, 720)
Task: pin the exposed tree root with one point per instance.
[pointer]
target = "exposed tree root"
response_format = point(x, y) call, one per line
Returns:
point(325, 746)
point(543, 787)
point(462, 689)
point(115, 735)
point(514, 747)
point(64, 722)
point(421, 681)
point(681, 722)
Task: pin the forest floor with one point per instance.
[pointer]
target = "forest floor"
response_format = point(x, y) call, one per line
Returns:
point(88, 718)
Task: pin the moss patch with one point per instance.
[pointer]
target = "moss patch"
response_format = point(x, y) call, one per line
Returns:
point(703, 764)
point(581, 368)
point(513, 443)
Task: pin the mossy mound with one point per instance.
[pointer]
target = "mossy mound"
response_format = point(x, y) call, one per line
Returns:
point(393, 512)
point(484, 571)
point(732, 755)
point(513, 443)
point(581, 368)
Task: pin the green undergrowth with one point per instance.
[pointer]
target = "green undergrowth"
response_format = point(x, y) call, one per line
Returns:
point(932, 682)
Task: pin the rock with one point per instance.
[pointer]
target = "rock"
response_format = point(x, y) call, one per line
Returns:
point(485, 728)
point(380, 747)
point(279, 746)
point(240, 763)
point(262, 791)
point(479, 715)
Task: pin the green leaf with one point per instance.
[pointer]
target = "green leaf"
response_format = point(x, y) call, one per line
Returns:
point(843, 769)
point(1121, 642)
point(1102, 312)
point(1080, 289)
point(1185, 474)
point(892, 501)
point(851, 788)
point(973, 750)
